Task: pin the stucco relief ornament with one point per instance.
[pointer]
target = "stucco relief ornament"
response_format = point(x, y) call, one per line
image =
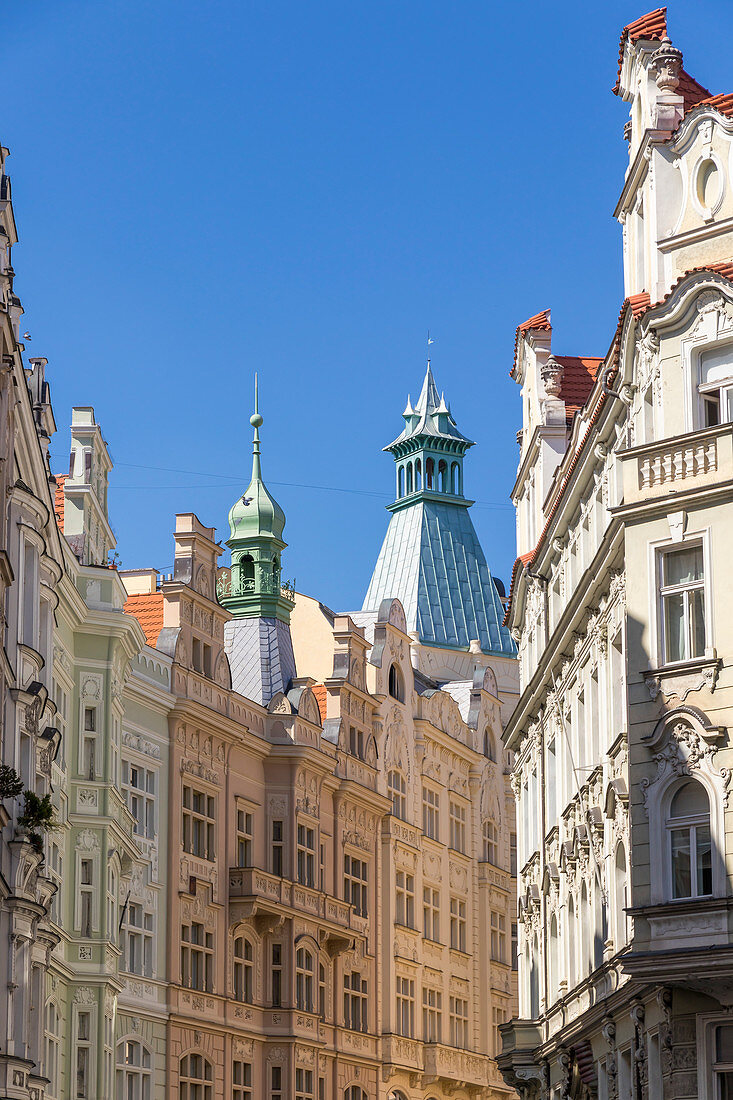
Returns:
point(683, 752)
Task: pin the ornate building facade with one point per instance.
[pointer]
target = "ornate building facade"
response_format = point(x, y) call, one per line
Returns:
point(619, 603)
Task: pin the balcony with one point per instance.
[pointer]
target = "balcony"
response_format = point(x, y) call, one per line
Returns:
point(456, 1066)
point(686, 464)
point(398, 1052)
point(268, 900)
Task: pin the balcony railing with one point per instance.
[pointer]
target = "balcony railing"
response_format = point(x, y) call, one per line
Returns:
point(284, 897)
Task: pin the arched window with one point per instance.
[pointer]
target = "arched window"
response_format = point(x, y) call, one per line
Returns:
point(409, 478)
point(398, 792)
point(689, 848)
point(553, 976)
point(716, 386)
point(621, 900)
point(355, 1092)
point(243, 970)
point(418, 475)
point(454, 478)
point(443, 476)
point(304, 980)
point(395, 683)
point(489, 750)
point(276, 570)
point(429, 473)
point(400, 481)
point(134, 1071)
point(247, 566)
point(53, 1045)
point(491, 843)
point(195, 1078)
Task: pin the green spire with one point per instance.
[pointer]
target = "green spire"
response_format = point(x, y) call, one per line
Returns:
point(252, 589)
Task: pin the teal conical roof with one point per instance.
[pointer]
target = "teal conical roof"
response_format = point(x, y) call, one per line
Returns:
point(431, 559)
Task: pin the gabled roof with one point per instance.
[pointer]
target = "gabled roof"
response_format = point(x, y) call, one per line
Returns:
point(653, 28)
point(58, 504)
point(540, 321)
point(148, 610)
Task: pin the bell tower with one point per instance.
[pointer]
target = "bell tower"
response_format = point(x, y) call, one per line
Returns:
point(257, 638)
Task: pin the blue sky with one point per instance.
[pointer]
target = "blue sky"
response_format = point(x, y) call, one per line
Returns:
point(206, 190)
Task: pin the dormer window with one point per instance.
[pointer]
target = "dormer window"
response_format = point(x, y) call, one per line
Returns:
point(396, 689)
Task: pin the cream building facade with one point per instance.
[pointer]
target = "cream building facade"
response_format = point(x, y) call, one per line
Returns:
point(620, 607)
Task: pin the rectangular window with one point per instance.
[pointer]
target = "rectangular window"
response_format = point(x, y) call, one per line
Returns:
point(356, 742)
point(515, 948)
point(513, 855)
point(83, 1055)
point(459, 1022)
point(551, 784)
point(499, 1017)
point(722, 1061)
point(277, 975)
point(355, 1002)
point(137, 932)
point(86, 895)
point(355, 883)
point(405, 899)
point(303, 1084)
point(242, 1081)
point(140, 787)
point(458, 924)
point(431, 913)
point(682, 595)
point(432, 1015)
point(491, 843)
point(244, 838)
point(498, 937)
point(431, 813)
point(199, 823)
point(397, 790)
point(306, 856)
point(276, 850)
point(197, 957)
point(276, 1083)
point(716, 386)
point(406, 1007)
point(458, 826)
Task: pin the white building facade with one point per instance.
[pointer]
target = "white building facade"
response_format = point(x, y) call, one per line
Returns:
point(620, 606)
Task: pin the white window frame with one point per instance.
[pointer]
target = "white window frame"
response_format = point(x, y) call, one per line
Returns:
point(706, 1024)
point(656, 549)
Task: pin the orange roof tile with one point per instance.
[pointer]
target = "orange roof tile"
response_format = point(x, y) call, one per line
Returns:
point(692, 91)
point(319, 690)
point(652, 25)
point(58, 504)
point(721, 103)
point(540, 321)
point(578, 377)
point(148, 610)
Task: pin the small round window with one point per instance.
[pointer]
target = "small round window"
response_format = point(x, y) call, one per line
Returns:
point(707, 184)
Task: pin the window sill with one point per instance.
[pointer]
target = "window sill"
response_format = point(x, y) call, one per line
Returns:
point(682, 677)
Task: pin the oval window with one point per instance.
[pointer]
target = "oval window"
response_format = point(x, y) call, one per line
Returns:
point(708, 184)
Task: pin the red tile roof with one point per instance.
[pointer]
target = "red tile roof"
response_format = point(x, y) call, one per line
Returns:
point(148, 610)
point(578, 376)
point(319, 690)
point(651, 26)
point(721, 103)
point(540, 321)
point(58, 504)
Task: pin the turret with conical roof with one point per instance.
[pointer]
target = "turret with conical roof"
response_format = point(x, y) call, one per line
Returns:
point(256, 523)
point(431, 558)
point(257, 638)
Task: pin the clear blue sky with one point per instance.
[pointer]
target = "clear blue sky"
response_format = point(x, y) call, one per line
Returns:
point(303, 189)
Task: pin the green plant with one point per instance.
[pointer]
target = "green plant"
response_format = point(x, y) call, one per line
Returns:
point(10, 782)
point(38, 813)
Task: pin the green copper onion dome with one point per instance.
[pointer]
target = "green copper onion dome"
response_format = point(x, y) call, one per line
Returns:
point(256, 512)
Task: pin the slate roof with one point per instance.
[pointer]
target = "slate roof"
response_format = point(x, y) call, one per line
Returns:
point(261, 659)
point(432, 561)
point(430, 416)
point(148, 610)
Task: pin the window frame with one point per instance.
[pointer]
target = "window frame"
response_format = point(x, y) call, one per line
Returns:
point(665, 591)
